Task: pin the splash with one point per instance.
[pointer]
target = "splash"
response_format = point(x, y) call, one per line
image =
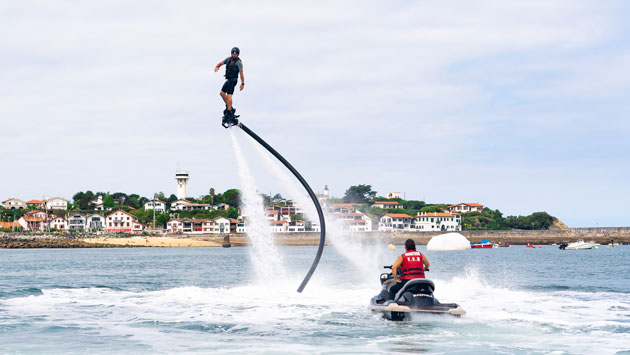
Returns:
point(266, 259)
point(349, 244)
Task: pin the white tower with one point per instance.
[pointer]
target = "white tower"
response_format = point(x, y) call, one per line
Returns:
point(326, 196)
point(182, 179)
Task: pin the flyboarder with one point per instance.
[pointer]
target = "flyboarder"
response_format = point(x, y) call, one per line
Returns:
point(233, 67)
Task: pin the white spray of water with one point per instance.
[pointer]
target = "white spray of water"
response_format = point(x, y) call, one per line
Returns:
point(349, 244)
point(266, 259)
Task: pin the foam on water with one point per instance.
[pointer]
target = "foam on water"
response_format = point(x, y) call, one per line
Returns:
point(273, 317)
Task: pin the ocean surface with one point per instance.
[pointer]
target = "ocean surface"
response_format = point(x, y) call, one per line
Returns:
point(212, 300)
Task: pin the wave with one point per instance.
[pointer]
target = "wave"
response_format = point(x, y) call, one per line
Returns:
point(248, 315)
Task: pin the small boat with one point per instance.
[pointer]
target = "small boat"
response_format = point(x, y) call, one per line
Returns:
point(579, 245)
point(484, 244)
point(529, 245)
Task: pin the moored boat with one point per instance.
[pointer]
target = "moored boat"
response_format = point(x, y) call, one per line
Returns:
point(579, 245)
point(484, 244)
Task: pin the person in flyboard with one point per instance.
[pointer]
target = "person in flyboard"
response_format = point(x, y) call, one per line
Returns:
point(233, 67)
point(412, 265)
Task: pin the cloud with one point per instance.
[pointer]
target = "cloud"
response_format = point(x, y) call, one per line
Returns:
point(432, 98)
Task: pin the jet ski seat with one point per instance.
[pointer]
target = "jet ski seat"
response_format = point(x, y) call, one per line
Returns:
point(417, 286)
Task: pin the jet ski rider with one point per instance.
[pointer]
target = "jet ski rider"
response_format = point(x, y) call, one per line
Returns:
point(412, 265)
point(233, 67)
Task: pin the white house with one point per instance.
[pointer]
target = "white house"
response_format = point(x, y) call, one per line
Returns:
point(341, 207)
point(271, 214)
point(56, 203)
point(98, 203)
point(391, 195)
point(158, 205)
point(177, 205)
point(33, 221)
point(361, 225)
point(35, 203)
point(14, 204)
point(386, 204)
point(437, 221)
point(37, 213)
point(279, 226)
point(59, 223)
point(222, 225)
point(296, 226)
point(193, 206)
point(77, 222)
point(175, 226)
point(121, 221)
point(222, 206)
point(395, 222)
point(241, 225)
point(190, 226)
point(465, 207)
point(95, 222)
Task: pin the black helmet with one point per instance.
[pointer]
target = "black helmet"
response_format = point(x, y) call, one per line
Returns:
point(236, 50)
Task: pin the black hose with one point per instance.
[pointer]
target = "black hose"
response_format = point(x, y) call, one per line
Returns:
point(322, 223)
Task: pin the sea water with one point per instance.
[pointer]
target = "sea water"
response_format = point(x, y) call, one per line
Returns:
point(209, 300)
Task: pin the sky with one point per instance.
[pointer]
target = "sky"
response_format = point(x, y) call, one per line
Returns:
point(521, 105)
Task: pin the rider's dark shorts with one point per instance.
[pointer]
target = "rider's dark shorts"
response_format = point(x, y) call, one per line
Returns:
point(229, 85)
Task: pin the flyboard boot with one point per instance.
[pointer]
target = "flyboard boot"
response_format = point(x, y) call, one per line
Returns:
point(229, 118)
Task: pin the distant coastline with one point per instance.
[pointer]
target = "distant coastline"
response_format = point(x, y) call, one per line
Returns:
point(514, 237)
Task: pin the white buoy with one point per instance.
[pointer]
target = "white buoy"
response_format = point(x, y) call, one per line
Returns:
point(448, 241)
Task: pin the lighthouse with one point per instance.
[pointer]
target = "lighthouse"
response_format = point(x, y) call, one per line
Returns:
point(182, 179)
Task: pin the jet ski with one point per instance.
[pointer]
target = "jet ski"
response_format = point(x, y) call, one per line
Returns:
point(416, 297)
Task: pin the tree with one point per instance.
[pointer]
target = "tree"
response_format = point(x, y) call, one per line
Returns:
point(119, 198)
point(359, 194)
point(232, 197)
point(433, 208)
point(212, 196)
point(415, 205)
point(108, 201)
point(232, 212)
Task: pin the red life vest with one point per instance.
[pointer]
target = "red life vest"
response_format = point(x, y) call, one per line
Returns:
point(412, 266)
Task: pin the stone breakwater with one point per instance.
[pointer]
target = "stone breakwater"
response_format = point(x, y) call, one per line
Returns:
point(514, 237)
point(47, 241)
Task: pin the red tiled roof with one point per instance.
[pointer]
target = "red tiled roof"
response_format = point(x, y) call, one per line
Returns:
point(386, 202)
point(34, 202)
point(350, 205)
point(33, 212)
point(436, 214)
point(398, 215)
point(9, 225)
point(468, 204)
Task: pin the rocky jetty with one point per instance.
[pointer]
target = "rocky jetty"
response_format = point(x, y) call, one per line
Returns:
point(29, 242)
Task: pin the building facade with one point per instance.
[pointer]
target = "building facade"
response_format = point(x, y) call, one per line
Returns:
point(465, 207)
point(14, 204)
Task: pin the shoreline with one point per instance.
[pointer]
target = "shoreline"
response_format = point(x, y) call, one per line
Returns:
point(514, 237)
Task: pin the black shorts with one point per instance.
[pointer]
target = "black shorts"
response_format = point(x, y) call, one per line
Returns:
point(229, 85)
